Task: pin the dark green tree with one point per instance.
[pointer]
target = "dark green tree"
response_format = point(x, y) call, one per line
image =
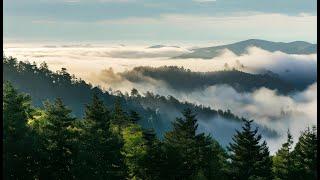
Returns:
point(187, 151)
point(181, 147)
point(305, 155)
point(249, 157)
point(134, 92)
point(119, 117)
point(214, 160)
point(134, 116)
point(100, 156)
point(153, 162)
point(282, 161)
point(59, 150)
point(18, 160)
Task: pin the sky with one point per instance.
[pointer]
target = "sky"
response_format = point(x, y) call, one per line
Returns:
point(165, 21)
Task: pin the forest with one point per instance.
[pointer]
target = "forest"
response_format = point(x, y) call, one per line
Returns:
point(185, 80)
point(43, 84)
point(50, 143)
point(107, 139)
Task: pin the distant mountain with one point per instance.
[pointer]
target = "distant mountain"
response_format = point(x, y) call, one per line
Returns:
point(161, 46)
point(296, 47)
point(185, 80)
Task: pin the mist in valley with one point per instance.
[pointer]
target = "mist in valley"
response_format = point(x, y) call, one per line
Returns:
point(104, 66)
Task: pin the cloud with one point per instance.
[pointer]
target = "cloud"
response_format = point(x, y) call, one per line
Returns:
point(100, 64)
point(189, 26)
point(269, 109)
point(243, 22)
point(204, 1)
point(42, 21)
point(99, 1)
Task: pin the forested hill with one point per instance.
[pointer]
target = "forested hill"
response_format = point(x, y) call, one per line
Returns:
point(42, 84)
point(296, 47)
point(182, 79)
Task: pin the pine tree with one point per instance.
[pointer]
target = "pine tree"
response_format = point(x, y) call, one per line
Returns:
point(181, 147)
point(186, 150)
point(282, 161)
point(305, 155)
point(214, 163)
point(18, 160)
point(119, 117)
point(98, 113)
point(100, 151)
point(249, 158)
point(134, 150)
point(134, 117)
point(153, 162)
point(59, 150)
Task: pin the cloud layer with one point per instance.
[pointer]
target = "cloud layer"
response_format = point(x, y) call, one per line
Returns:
point(99, 65)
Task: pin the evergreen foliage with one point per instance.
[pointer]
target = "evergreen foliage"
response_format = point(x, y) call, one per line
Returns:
point(108, 143)
point(249, 157)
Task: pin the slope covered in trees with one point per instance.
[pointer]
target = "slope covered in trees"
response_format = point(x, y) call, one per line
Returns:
point(50, 143)
point(43, 84)
point(185, 80)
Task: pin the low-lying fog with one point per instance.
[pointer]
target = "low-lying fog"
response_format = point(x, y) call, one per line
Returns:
point(100, 64)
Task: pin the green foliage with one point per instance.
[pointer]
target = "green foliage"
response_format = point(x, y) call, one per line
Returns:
point(43, 84)
point(134, 150)
point(249, 158)
point(58, 143)
point(305, 155)
point(188, 152)
point(17, 138)
point(16, 110)
point(282, 161)
point(185, 80)
point(119, 117)
point(50, 143)
point(99, 151)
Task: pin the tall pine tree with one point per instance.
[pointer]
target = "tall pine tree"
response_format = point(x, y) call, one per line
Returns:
point(249, 157)
point(305, 155)
point(186, 151)
point(59, 151)
point(282, 161)
point(18, 160)
point(100, 156)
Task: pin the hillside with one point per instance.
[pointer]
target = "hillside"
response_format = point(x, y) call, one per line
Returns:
point(42, 84)
point(238, 48)
point(185, 80)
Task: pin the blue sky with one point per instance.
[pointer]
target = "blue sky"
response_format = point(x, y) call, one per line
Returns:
point(156, 21)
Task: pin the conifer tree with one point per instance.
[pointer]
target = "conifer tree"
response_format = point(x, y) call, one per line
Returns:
point(186, 150)
point(153, 162)
point(214, 163)
point(282, 161)
point(133, 150)
point(119, 117)
point(18, 162)
point(181, 147)
point(305, 155)
point(249, 158)
point(59, 150)
point(134, 116)
point(100, 152)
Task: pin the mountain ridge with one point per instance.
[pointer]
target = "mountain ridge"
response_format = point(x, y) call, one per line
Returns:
point(239, 48)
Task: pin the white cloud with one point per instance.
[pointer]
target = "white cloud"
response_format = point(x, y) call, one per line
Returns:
point(204, 1)
point(278, 112)
point(101, 1)
point(269, 21)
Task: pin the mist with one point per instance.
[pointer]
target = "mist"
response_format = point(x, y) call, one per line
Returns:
point(266, 107)
point(102, 65)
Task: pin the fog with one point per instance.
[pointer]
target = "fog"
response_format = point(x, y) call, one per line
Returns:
point(100, 65)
